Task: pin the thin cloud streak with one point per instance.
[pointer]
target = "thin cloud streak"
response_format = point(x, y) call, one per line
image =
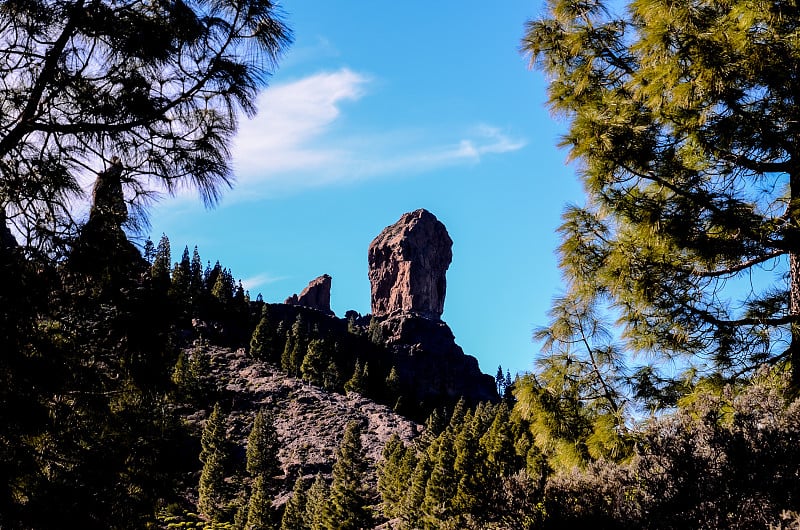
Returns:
point(260, 280)
point(295, 141)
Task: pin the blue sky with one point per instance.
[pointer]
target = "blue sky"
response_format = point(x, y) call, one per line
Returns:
point(380, 108)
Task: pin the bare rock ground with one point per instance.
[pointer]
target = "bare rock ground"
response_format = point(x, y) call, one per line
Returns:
point(310, 421)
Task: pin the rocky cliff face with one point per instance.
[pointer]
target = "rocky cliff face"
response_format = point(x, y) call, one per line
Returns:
point(317, 295)
point(429, 361)
point(407, 265)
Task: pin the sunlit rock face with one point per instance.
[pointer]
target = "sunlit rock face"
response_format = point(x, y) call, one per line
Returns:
point(317, 295)
point(407, 265)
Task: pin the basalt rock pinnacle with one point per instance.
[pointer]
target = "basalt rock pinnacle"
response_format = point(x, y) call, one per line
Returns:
point(407, 265)
point(317, 295)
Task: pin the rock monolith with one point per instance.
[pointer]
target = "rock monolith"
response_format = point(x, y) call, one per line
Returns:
point(407, 265)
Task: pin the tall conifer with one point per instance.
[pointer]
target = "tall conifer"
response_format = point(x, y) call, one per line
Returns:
point(347, 509)
point(212, 455)
point(294, 510)
point(316, 506)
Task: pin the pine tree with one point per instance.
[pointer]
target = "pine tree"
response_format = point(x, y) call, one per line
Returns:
point(162, 260)
point(166, 122)
point(181, 278)
point(500, 381)
point(263, 466)
point(347, 509)
point(469, 470)
point(315, 362)
point(316, 505)
point(459, 412)
point(262, 343)
point(262, 448)
point(508, 393)
point(435, 424)
point(394, 475)
point(300, 342)
point(149, 251)
point(441, 487)
point(210, 275)
point(498, 445)
point(358, 382)
point(260, 515)
point(212, 455)
point(286, 356)
point(415, 494)
point(681, 116)
point(223, 288)
point(331, 379)
point(393, 385)
point(294, 510)
point(195, 278)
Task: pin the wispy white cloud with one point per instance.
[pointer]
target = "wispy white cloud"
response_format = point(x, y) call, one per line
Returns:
point(297, 140)
point(280, 138)
point(259, 280)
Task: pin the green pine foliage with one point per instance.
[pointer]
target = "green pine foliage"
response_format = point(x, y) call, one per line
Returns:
point(440, 489)
point(678, 115)
point(358, 382)
point(294, 510)
point(286, 356)
point(262, 448)
point(409, 509)
point(315, 362)
point(317, 505)
point(498, 446)
point(263, 343)
point(300, 334)
point(394, 474)
point(347, 509)
point(392, 383)
point(263, 466)
point(180, 289)
point(191, 377)
point(468, 475)
point(213, 452)
point(260, 515)
point(162, 260)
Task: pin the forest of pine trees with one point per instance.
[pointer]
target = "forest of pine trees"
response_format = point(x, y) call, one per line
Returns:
point(544, 456)
point(681, 116)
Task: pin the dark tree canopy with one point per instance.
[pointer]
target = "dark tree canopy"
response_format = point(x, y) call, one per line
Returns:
point(684, 120)
point(157, 85)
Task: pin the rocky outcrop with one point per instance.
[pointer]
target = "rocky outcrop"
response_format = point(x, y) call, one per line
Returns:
point(317, 295)
point(432, 365)
point(407, 265)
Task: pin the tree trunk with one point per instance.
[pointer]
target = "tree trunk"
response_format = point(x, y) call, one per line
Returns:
point(794, 310)
point(7, 239)
point(794, 277)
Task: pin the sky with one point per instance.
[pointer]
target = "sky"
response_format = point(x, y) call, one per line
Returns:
point(381, 108)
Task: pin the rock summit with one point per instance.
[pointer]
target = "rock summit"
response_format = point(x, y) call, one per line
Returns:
point(317, 295)
point(407, 265)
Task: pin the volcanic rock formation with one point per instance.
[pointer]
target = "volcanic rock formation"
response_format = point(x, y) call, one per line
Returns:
point(317, 295)
point(407, 266)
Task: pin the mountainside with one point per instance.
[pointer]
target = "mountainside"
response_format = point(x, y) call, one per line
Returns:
point(309, 421)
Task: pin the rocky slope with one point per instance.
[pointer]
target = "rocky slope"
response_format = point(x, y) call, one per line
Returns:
point(310, 421)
